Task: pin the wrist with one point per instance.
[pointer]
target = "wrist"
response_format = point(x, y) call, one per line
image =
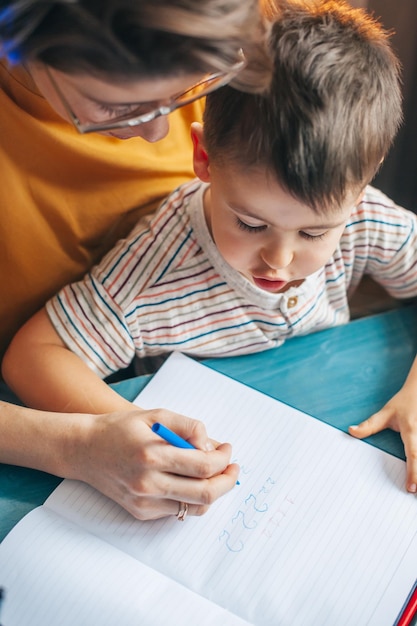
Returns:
point(43, 440)
point(76, 446)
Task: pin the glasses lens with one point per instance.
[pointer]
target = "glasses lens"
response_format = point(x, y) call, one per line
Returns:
point(201, 89)
point(142, 111)
point(110, 114)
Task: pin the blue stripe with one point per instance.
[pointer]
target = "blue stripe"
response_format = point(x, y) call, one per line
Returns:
point(375, 221)
point(333, 280)
point(58, 297)
point(206, 334)
point(313, 306)
point(277, 325)
point(184, 241)
point(176, 298)
point(108, 307)
point(205, 316)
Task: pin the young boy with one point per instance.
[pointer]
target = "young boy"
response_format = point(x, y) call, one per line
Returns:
point(269, 243)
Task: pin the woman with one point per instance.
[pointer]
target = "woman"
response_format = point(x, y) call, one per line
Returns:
point(85, 150)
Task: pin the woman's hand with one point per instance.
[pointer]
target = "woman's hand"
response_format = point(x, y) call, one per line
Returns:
point(120, 456)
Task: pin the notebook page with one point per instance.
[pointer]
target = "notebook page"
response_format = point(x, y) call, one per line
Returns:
point(56, 574)
point(320, 530)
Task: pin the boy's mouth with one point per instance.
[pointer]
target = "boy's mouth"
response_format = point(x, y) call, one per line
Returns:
point(269, 285)
point(275, 286)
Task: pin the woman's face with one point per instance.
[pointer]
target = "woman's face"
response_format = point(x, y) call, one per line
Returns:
point(95, 101)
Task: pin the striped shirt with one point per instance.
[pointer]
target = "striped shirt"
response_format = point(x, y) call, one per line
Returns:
point(166, 287)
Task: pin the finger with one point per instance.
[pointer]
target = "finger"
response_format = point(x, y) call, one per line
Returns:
point(374, 424)
point(410, 447)
point(196, 491)
point(189, 463)
point(152, 508)
point(191, 430)
point(198, 494)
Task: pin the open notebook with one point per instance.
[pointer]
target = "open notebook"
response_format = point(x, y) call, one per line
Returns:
point(319, 532)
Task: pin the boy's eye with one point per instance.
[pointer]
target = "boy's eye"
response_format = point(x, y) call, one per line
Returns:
point(312, 237)
point(248, 228)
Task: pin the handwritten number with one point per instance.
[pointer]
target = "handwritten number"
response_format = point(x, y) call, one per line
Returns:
point(237, 548)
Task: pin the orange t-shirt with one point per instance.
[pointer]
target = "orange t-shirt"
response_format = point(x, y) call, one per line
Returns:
point(65, 198)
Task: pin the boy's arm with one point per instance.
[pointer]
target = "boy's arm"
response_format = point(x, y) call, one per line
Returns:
point(400, 414)
point(46, 375)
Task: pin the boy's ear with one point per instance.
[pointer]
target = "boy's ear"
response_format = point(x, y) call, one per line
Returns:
point(201, 161)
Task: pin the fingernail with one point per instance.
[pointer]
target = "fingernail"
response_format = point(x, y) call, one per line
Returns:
point(412, 488)
point(209, 446)
point(354, 426)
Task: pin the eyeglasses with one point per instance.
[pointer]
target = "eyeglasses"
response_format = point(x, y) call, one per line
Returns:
point(140, 114)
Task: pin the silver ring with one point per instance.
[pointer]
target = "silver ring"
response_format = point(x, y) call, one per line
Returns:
point(182, 511)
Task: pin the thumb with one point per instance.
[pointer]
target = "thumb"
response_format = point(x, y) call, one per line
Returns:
point(410, 448)
point(375, 423)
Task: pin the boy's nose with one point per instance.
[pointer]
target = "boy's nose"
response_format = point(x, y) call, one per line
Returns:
point(277, 257)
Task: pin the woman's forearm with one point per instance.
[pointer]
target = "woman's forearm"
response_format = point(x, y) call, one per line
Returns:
point(42, 440)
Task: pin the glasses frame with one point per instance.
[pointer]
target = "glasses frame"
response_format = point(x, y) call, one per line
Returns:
point(220, 79)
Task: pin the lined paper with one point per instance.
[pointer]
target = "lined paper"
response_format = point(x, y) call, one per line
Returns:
point(320, 530)
point(318, 527)
point(55, 574)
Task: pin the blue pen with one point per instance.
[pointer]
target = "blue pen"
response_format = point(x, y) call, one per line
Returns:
point(170, 437)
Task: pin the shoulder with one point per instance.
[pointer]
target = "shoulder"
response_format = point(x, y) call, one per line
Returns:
point(378, 213)
point(157, 243)
point(170, 219)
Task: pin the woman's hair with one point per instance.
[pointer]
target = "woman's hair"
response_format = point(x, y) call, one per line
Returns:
point(122, 39)
point(333, 108)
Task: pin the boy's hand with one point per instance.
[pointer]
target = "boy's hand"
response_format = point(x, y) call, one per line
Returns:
point(400, 414)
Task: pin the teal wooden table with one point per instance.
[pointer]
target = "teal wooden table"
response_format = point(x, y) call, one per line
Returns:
point(341, 376)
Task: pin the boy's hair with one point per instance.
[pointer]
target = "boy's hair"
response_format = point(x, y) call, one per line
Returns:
point(125, 39)
point(333, 108)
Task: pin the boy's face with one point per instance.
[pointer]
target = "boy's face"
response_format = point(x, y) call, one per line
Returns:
point(269, 237)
